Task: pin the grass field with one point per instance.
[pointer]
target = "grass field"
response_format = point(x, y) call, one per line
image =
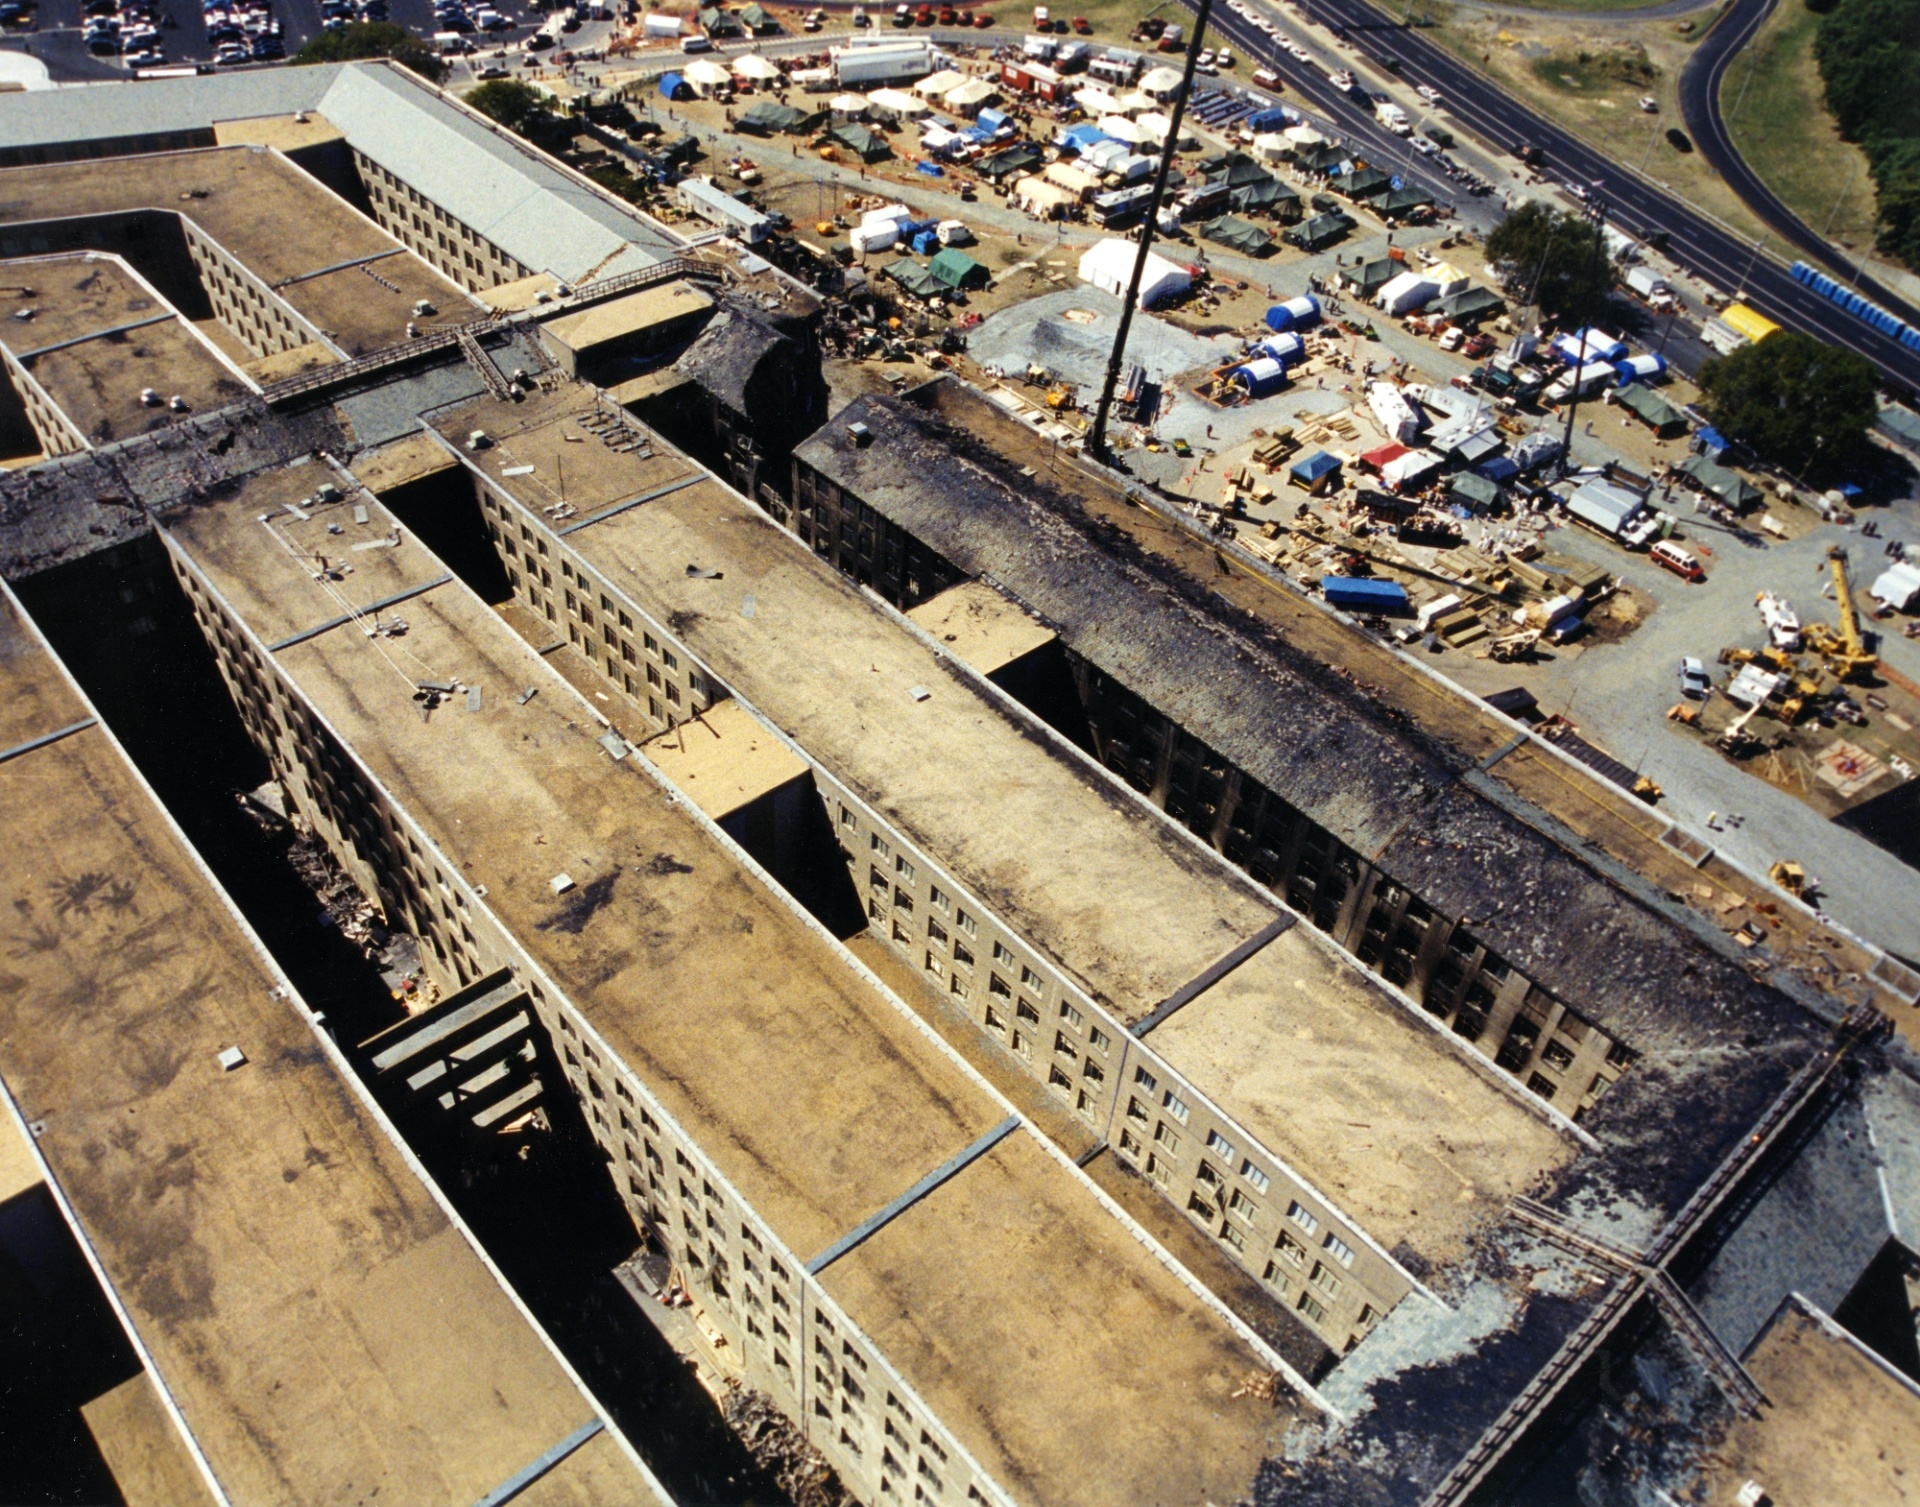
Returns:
point(1776, 113)
point(1589, 77)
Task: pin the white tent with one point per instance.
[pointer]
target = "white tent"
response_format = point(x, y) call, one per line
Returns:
point(846, 107)
point(1122, 129)
point(1403, 470)
point(1271, 146)
point(1109, 267)
point(1096, 102)
point(1134, 103)
point(705, 76)
point(1304, 135)
point(658, 24)
point(1160, 83)
point(898, 103)
point(1447, 279)
point(936, 84)
point(1041, 197)
point(1154, 128)
point(1897, 587)
point(967, 96)
point(752, 65)
point(1406, 292)
point(812, 80)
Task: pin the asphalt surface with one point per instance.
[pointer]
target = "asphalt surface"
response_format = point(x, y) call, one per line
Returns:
point(1700, 83)
point(1475, 105)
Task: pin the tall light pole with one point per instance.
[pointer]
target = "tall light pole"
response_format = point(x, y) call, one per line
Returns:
point(1596, 210)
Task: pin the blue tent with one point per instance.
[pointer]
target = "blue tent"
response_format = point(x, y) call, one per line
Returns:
point(1082, 137)
point(1294, 314)
point(1498, 470)
point(1316, 472)
point(672, 86)
point(1266, 120)
point(1258, 377)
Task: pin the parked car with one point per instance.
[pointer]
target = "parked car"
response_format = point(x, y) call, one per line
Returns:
point(1694, 680)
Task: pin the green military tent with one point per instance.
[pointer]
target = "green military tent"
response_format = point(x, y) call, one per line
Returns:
point(771, 118)
point(716, 22)
point(916, 279)
point(1404, 201)
point(1471, 305)
point(1231, 168)
point(1368, 278)
point(1324, 159)
point(1719, 482)
point(953, 268)
point(1005, 164)
point(1475, 491)
point(1652, 410)
point(1320, 232)
point(867, 145)
point(1361, 183)
point(1271, 195)
point(756, 19)
point(1238, 235)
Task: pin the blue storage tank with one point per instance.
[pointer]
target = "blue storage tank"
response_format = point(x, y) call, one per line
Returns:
point(1359, 594)
point(1295, 314)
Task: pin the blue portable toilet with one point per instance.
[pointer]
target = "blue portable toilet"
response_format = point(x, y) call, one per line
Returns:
point(1295, 314)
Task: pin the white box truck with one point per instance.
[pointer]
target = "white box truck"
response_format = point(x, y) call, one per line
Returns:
point(1393, 118)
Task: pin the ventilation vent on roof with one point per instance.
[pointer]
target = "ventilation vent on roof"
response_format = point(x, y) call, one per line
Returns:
point(860, 434)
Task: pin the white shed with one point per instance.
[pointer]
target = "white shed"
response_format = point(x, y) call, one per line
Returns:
point(1109, 267)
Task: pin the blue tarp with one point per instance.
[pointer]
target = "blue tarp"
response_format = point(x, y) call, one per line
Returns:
point(1360, 594)
point(926, 243)
point(1498, 470)
point(1079, 138)
point(672, 86)
point(1314, 467)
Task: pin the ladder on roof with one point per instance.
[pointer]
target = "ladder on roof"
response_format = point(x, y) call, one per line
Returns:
point(469, 1062)
point(483, 366)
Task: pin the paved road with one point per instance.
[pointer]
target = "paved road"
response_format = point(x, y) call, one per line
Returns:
point(1700, 83)
point(1694, 242)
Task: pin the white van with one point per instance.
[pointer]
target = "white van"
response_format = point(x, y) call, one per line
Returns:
point(450, 44)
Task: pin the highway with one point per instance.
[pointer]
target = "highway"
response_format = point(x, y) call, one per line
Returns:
point(1473, 103)
point(1700, 83)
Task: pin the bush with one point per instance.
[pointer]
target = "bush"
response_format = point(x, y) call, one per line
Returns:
point(375, 39)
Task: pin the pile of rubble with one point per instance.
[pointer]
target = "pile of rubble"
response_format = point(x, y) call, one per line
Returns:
point(777, 1447)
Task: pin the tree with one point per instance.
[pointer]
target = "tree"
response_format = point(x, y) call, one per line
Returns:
point(521, 108)
point(1797, 402)
point(1552, 259)
point(374, 39)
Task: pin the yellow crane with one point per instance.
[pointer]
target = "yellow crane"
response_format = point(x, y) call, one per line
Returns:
point(1846, 651)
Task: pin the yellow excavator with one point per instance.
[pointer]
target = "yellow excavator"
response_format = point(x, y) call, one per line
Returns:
point(1845, 652)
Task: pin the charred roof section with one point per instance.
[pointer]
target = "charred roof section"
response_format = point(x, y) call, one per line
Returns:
point(1355, 765)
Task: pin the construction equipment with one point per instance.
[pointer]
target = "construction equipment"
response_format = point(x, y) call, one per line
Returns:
point(1735, 740)
point(1845, 652)
point(1513, 646)
point(1790, 876)
point(1060, 397)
